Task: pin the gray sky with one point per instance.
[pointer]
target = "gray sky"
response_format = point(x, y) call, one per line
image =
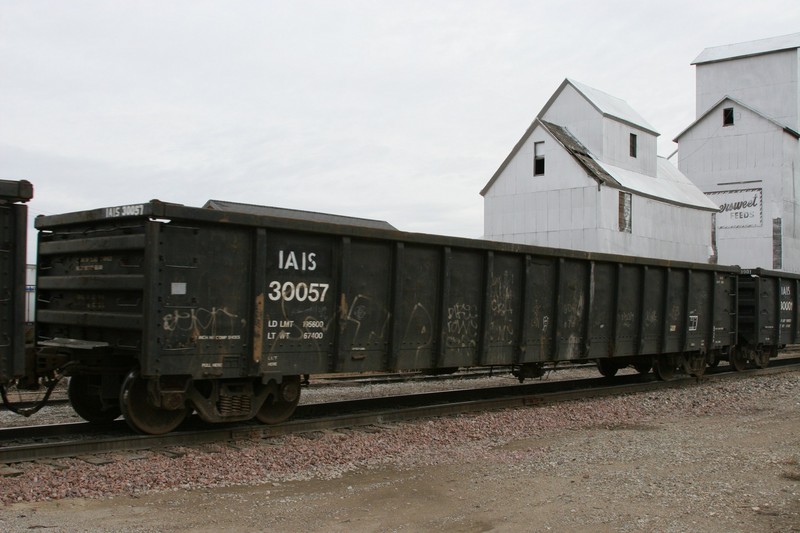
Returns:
point(395, 110)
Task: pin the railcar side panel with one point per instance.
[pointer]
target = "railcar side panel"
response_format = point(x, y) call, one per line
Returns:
point(629, 310)
point(602, 293)
point(460, 321)
point(699, 298)
point(364, 306)
point(572, 308)
point(295, 325)
point(540, 312)
point(503, 309)
point(768, 311)
point(651, 318)
point(13, 240)
point(416, 306)
point(199, 303)
point(788, 311)
point(725, 324)
point(675, 290)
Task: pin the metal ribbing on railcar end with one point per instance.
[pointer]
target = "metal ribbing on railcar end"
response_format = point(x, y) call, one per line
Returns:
point(482, 353)
point(444, 297)
point(396, 292)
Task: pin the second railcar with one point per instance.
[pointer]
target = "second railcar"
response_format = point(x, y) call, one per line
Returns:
point(768, 316)
point(156, 309)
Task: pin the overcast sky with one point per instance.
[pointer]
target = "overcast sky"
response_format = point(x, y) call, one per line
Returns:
point(395, 110)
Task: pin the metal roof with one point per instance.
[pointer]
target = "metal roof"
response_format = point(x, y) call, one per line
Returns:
point(669, 184)
point(725, 99)
point(749, 48)
point(580, 153)
point(610, 105)
point(605, 104)
point(296, 214)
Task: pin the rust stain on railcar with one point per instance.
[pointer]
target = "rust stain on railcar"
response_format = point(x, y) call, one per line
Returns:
point(258, 329)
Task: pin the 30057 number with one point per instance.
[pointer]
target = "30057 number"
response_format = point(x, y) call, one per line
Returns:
point(289, 291)
point(125, 211)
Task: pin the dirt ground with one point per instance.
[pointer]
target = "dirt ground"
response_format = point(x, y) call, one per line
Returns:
point(721, 473)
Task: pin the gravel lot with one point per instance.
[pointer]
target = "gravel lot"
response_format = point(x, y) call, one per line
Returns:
point(716, 457)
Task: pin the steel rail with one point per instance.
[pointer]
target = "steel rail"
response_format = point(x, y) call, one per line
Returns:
point(92, 439)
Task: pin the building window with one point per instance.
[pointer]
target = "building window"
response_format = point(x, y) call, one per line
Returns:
point(727, 116)
point(538, 158)
point(633, 145)
point(625, 212)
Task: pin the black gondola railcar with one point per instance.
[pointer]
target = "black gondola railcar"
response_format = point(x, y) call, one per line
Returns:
point(767, 315)
point(155, 309)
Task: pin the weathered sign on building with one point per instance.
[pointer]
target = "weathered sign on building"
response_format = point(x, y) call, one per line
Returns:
point(740, 208)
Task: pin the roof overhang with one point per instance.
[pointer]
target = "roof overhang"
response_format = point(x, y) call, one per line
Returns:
point(721, 102)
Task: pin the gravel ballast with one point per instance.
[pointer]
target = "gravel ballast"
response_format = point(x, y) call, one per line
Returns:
point(722, 456)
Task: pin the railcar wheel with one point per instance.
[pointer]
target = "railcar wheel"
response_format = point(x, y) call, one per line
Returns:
point(85, 398)
point(277, 409)
point(694, 364)
point(643, 368)
point(607, 368)
point(140, 414)
point(738, 359)
point(665, 366)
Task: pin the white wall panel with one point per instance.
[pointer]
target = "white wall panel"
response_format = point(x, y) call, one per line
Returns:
point(565, 208)
point(584, 122)
point(768, 83)
point(754, 153)
point(616, 147)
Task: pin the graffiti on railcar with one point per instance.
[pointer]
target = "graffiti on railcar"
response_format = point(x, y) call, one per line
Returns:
point(501, 326)
point(419, 329)
point(365, 320)
point(650, 318)
point(201, 324)
point(625, 319)
point(462, 325)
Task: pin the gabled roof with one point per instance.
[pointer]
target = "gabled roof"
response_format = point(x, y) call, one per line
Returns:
point(580, 153)
point(296, 214)
point(607, 105)
point(669, 185)
point(510, 156)
point(748, 49)
point(724, 99)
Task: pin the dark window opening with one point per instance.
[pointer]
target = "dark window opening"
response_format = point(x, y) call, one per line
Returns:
point(727, 116)
point(538, 158)
point(625, 212)
point(633, 145)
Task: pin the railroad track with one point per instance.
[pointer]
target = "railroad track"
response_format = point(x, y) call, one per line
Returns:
point(30, 443)
point(28, 399)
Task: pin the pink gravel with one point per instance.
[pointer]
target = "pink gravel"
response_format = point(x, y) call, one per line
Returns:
point(325, 455)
